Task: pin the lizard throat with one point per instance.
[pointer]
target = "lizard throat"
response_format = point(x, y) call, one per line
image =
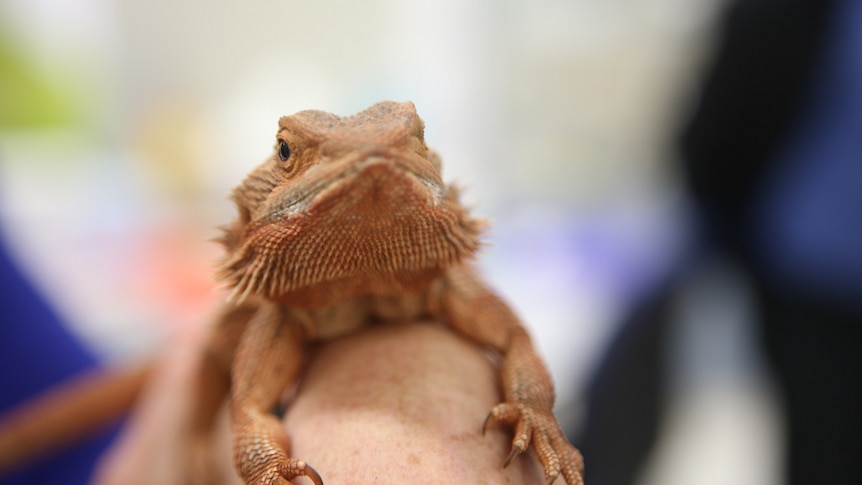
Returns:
point(354, 234)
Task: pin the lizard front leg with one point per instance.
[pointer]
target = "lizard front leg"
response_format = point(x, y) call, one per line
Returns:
point(213, 387)
point(476, 312)
point(269, 357)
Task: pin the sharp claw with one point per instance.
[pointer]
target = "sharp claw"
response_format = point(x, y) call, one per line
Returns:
point(299, 468)
point(551, 480)
point(485, 424)
point(312, 475)
point(516, 450)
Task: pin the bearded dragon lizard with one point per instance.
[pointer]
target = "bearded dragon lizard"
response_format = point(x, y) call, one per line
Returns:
point(349, 223)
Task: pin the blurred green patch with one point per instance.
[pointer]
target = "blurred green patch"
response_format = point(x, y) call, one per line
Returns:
point(31, 99)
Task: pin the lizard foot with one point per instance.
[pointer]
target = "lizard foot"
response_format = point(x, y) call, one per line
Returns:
point(537, 426)
point(280, 472)
point(260, 457)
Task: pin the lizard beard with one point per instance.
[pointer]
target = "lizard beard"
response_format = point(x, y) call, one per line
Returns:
point(382, 232)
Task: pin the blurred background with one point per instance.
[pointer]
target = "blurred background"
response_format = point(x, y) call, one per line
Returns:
point(124, 125)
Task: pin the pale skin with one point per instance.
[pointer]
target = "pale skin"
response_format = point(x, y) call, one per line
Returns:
point(393, 404)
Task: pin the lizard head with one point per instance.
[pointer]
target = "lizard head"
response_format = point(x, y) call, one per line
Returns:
point(346, 205)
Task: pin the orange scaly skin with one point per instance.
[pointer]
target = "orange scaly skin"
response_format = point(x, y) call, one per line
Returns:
point(349, 223)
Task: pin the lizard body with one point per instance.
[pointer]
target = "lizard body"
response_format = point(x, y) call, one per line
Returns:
point(347, 224)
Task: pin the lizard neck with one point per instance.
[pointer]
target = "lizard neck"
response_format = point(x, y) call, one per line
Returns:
point(329, 293)
point(328, 321)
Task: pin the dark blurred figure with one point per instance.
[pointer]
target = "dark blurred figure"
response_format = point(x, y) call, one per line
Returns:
point(772, 157)
point(36, 352)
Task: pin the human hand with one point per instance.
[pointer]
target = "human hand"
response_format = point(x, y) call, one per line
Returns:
point(391, 404)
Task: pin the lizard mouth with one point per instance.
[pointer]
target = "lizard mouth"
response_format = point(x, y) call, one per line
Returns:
point(378, 174)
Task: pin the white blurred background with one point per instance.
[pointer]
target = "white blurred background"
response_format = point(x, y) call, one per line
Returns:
point(124, 124)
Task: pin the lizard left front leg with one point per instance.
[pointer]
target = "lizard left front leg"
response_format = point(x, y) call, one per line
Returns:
point(476, 312)
point(269, 357)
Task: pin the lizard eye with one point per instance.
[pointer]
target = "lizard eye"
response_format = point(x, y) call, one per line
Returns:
point(283, 151)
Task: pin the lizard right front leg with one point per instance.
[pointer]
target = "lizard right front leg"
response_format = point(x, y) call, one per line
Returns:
point(477, 313)
point(269, 357)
